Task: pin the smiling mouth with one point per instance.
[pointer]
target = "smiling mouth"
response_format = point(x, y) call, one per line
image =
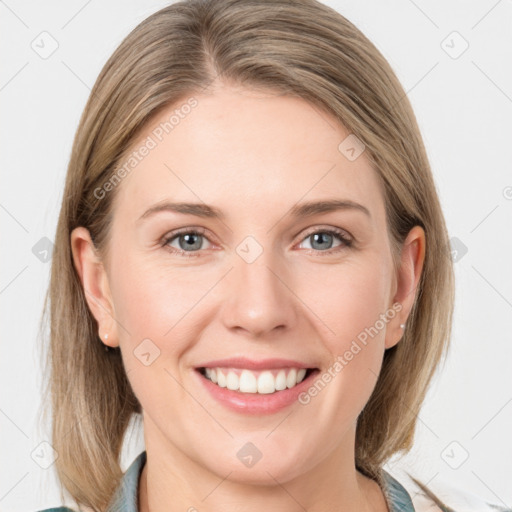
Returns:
point(256, 382)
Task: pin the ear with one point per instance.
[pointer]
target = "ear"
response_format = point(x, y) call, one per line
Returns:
point(94, 279)
point(407, 279)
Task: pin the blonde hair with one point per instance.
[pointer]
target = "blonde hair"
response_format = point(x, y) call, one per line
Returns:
point(299, 48)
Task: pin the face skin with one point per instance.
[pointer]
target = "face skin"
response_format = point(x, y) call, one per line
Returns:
point(253, 156)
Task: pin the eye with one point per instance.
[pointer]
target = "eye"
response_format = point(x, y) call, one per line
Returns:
point(189, 241)
point(321, 240)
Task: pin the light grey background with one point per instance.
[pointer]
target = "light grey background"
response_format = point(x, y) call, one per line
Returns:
point(463, 106)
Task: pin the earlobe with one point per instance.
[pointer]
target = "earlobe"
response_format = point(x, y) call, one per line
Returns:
point(408, 277)
point(94, 279)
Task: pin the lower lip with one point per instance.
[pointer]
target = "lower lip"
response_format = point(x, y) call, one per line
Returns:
point(255, 403)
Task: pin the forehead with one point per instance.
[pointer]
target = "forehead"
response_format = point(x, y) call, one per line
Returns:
point(241, 149)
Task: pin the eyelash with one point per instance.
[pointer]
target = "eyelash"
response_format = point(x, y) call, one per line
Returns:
point(346, 242)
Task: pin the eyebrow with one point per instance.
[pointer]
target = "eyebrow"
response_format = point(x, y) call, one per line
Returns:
point(314, 208)
point(297, 211)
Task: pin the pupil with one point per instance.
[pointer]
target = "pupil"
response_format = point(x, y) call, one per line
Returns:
point(189, 242)
point(320, 236)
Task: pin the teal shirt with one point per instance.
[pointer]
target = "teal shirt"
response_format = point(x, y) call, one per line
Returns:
point(126, 496)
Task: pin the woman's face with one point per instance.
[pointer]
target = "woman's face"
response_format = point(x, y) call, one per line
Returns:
point(265, 290)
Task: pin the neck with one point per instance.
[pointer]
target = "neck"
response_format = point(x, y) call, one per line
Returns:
point(172, 481)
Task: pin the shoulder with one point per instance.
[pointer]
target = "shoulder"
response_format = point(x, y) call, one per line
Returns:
point(443, 497)
point(62, 508)
point(57, 509)
point(125, 495)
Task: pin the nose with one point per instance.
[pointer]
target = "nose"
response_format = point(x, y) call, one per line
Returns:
point(260, 298)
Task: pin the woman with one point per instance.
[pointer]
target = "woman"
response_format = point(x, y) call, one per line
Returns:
point(223, 144)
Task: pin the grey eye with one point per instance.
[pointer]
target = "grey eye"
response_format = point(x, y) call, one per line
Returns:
point(189, 241)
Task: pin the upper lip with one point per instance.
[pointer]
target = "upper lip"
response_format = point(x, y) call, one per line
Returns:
point(251, 364)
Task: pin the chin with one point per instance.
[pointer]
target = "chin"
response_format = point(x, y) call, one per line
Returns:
point(252, 466)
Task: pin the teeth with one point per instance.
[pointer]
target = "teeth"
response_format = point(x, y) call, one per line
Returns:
point(232, 381)
point(281, 381)
point(291, 379)
point(247, 381)
point(266, 383)
point(221, 379)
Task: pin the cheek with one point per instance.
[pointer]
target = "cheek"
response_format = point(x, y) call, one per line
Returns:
point(157, 316)
point(349, 299)
point(351, 306)
point(153, 301)
point(166, 304)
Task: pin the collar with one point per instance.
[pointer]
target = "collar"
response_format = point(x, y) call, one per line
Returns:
point(126, 496)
